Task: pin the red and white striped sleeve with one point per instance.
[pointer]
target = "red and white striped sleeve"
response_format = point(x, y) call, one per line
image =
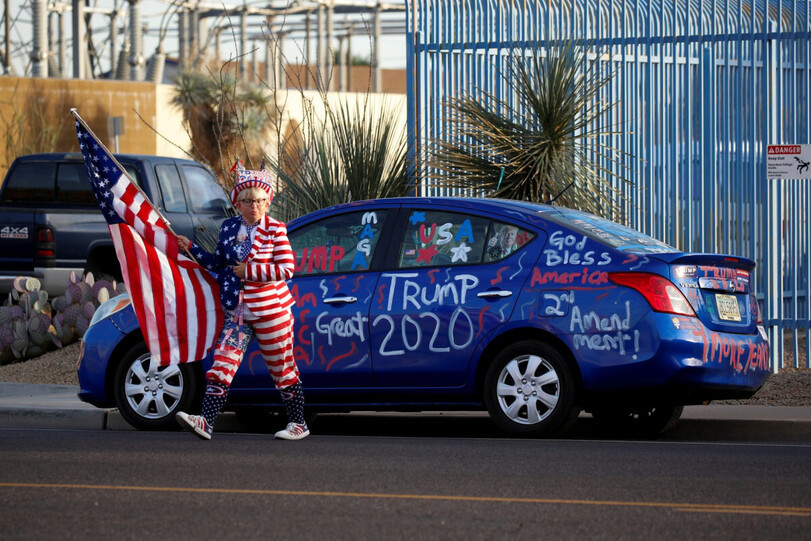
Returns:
point(282, 261)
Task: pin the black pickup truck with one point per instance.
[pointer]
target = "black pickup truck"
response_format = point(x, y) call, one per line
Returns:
point(51, 225)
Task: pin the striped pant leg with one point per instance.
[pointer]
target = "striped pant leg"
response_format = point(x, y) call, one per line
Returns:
point(228, 353)
point(275, 337)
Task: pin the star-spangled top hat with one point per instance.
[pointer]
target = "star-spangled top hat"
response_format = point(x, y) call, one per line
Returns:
point(247, 178)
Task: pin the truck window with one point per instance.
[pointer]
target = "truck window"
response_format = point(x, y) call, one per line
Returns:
point(205, 193)
point(30, 182)
point(171, 188)
point(135, 174)
point(72, 186)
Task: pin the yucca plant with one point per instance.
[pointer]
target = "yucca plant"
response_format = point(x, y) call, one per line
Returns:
point(535, 146)
point(355, 152)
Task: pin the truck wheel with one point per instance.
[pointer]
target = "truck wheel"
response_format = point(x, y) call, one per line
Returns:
point(104, 266)
point(149, 396)
point(530, 390)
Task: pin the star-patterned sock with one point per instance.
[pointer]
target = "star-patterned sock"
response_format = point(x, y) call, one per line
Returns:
point(293, 399)
point(213, 402)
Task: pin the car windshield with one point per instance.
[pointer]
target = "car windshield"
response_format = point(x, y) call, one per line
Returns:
point(610, 233)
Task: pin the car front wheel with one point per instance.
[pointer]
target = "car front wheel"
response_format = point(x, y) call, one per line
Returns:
point(530, 390)
point(148, 396)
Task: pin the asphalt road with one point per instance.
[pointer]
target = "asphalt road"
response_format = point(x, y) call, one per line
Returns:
point(81, 484)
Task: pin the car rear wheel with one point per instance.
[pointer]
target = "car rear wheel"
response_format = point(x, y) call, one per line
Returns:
point(638, 421)
point(530, 390)
point(148, 396)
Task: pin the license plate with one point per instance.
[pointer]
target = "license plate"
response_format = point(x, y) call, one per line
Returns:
point(727, 307)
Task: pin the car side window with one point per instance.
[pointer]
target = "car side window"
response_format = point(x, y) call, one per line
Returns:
point(337, 244)
point(504, 240)
point(134, 173)
point(435, 238)
point(171, 188)
point(205, 192)
point(31, 182)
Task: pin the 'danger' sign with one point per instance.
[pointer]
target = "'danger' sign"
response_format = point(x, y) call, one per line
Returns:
point(786, 162)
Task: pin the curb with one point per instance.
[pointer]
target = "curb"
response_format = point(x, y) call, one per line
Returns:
point(48, 406)
point(77, 419)
point(58, 407)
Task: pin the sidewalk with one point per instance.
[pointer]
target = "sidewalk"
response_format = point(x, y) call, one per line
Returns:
point(57, 406)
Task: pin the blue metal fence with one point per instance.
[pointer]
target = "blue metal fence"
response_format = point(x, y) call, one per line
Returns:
point(701, 87)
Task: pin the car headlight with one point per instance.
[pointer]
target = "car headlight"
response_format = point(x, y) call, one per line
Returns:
point(110, 307)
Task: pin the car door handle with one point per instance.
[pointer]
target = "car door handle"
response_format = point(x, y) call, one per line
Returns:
point(346, 300)
point(499, 293)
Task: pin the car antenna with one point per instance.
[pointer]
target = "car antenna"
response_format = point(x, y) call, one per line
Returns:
point(559, 194)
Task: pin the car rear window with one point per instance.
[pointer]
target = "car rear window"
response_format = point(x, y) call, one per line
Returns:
point(610, 233)
point(53, 183)
point(72, 186)
point(31, 182)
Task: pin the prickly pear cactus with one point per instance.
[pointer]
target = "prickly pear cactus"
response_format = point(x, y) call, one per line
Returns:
point(6, 339)
point(31, 324)
point(59, 304)
point(39, 330)
point(102, 291)
point(32, 284)
point(19, 346)
point(64, 332)
point(5, 315)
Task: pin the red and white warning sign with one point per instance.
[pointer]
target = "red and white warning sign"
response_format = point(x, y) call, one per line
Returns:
point(786, 162)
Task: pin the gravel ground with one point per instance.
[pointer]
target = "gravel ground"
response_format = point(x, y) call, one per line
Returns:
point(790, 387)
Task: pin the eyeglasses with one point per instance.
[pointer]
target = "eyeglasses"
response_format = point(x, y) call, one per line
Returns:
point(251, 202)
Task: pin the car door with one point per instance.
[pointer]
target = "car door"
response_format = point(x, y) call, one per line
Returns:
point(452, 286)
point(333, 287)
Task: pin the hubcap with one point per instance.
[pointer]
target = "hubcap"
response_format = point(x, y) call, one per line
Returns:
point(153, 391)
point(528, 389)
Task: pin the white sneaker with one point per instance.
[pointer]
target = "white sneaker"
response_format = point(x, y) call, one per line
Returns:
point(195, 423)
point(293, 431)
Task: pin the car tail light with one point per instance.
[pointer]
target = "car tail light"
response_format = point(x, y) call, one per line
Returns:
point(660, 292)
point(45, 237)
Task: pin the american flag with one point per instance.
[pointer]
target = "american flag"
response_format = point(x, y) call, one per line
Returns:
point(176, 301)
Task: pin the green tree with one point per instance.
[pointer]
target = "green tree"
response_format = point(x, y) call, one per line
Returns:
point(535, 146)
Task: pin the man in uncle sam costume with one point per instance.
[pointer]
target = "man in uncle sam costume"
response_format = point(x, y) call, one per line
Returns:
point(252, 261)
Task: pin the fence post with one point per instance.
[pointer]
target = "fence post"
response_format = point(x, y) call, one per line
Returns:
point(773, 210)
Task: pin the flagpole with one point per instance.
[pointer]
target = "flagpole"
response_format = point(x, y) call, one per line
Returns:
point(132, 181)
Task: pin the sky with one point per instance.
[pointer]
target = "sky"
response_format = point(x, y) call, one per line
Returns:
point(152, 15)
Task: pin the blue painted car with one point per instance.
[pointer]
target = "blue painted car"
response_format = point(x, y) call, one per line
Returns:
point(532, 312)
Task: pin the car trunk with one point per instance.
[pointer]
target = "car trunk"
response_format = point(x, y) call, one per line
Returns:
point(719, 288)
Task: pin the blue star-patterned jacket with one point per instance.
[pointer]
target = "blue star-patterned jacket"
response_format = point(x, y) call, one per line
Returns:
point(220, 262)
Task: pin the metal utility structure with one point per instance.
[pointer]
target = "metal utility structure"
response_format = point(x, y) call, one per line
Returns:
point(199, 28)
point(701, 87)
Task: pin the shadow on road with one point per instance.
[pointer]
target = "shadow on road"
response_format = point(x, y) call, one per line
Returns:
point(479, 425)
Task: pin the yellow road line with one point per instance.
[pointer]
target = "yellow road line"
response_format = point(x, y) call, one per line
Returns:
point(678, 506)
